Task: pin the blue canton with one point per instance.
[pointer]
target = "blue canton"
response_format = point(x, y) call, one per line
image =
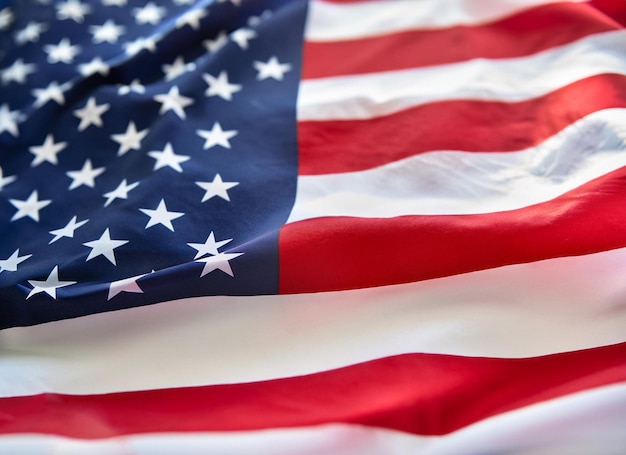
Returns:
point(148, 151)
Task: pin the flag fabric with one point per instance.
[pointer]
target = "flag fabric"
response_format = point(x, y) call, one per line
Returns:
point(334, 226)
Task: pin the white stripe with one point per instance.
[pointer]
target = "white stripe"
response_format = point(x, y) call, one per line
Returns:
point(455, 183)
point(515, 311)
point(515, 79)
point(590, 422)
point(334, 22)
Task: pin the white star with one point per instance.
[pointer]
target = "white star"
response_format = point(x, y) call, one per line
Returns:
point(67, 230)
point(48, 151)
point(161, 216)
point(135, 86)
point(91, 114)
point(241, 36)
point(121, 192)
point(17, 72)
point(8, 120)
point(216, 44)
point(125, 285)
point(96, 65)
point(130, 140)
point(177, 68)
point(253, 21)
point(218, 262)
point(53, 91)
point(4, 181)
point(234, 2)
point(217, 136)
point(30, 33)
point(6, 18)
point(114, 2)
point(138, 45)
point(49, 286)
point(104, 246)
point(208, 247)
point(216, 188)
point(73, 9)
point(220, 86)
point(191, 18)
point(86, 176)
point(108, 32)
point(30, 207)
point(173, 101)
point(62, 52)
point(149, 14)
point(167, 157)
point(273, 68)
point(10, 264)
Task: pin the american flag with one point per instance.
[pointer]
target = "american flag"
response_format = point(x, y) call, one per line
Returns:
point(334, 226)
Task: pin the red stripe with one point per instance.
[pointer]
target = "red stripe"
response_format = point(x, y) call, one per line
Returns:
point(335, 146)
point(614, 9)
point(425, 394)
point(334, 253)
point(526, 33)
